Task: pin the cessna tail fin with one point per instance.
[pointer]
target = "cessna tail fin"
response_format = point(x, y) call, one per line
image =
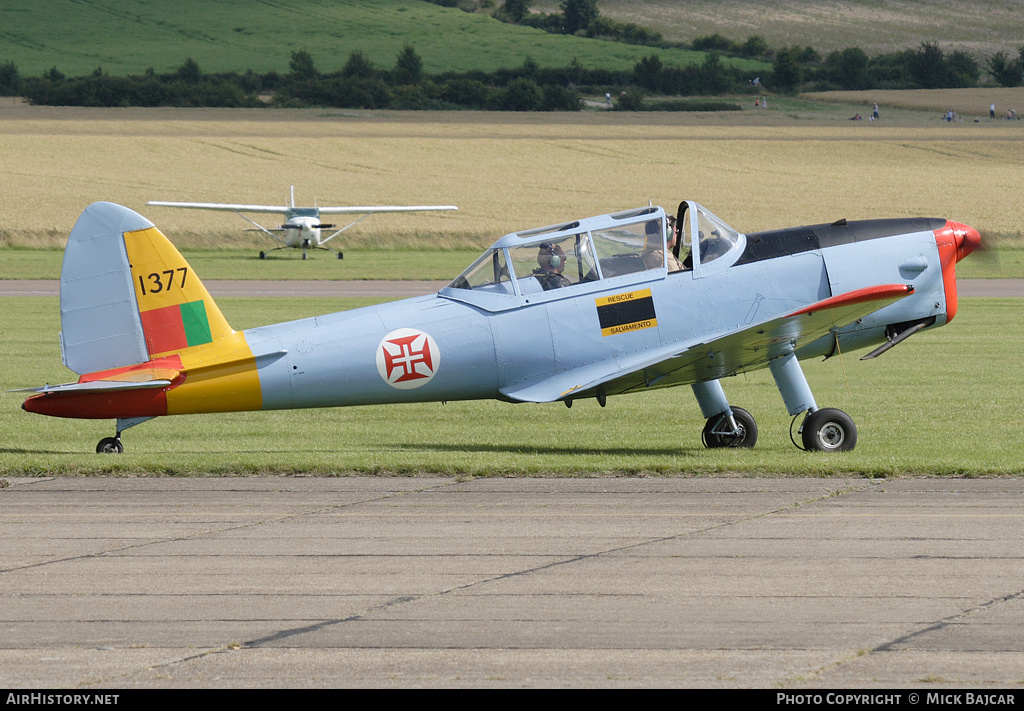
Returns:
point(127, 296)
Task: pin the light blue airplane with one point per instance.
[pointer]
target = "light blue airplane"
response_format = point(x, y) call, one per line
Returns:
point(588, 308)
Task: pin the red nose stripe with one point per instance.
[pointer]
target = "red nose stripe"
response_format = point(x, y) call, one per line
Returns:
point(945, 240)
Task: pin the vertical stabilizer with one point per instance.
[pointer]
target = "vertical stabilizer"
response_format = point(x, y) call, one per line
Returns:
point(128, 296)
point(99, 316)
point(175, 309)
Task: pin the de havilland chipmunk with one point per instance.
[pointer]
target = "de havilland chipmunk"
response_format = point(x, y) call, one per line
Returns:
point(302, 228)
point(590, 308)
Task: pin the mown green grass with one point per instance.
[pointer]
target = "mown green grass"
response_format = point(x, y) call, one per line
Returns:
point(130, 36)
point(285, 264)
point(403, 264)
point(946, 402)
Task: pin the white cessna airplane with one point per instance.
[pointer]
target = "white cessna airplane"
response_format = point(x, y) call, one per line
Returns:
point(302, 226)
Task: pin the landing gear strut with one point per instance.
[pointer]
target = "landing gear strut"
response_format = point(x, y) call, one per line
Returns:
point(726, 426)
point(340, 255)
point(824, 430)
point(113, 445)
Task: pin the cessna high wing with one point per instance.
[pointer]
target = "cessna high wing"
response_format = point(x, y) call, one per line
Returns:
point(589, 308)
point(302, 228)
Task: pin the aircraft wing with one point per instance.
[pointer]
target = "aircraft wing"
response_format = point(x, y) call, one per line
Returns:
point(371, 209)
point(282, 209)
point(747, 349)
point(279, 209)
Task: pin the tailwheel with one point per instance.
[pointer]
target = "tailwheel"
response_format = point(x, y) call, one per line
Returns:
point(740, 432)
point(110, 445)
point(828, 430)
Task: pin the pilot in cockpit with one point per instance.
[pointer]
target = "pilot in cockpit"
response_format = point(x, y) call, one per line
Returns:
point(551, 259)
point(657, 246)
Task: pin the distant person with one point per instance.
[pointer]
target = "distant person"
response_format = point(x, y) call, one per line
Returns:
point(992, 111)
point(608, 99)
point(874, 112)
point(856, 117)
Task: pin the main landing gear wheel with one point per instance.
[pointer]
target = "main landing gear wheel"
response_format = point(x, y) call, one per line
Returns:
point(718, 432)
point(110, 445)
point(828, 430)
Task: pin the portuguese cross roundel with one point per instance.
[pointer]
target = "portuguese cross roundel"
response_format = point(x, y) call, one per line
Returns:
point(407, 358)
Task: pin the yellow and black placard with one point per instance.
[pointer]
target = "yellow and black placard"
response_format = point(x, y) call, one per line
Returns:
point(622, 313)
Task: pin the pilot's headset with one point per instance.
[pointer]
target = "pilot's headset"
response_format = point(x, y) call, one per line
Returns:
point(551, 256)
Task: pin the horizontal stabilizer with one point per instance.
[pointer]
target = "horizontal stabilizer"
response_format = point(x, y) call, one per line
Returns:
point(94, 386)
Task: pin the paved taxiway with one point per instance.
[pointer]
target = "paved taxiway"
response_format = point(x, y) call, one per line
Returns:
point(303, 582)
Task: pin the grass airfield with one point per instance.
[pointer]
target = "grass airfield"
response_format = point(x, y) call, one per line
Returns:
point(943, 403)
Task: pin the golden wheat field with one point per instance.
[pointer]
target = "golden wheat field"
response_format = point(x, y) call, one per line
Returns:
point(504, 171)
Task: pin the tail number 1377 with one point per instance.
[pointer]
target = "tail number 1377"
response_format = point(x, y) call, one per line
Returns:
point(158, 282)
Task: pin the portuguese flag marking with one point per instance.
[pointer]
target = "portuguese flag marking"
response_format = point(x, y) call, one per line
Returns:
point(174, 328)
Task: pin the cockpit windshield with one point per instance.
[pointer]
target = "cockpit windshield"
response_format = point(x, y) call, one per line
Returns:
point(488, 273)
point(569, 254)
point(713, 237)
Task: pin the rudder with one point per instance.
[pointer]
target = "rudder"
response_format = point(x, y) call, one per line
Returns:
point(127, 295)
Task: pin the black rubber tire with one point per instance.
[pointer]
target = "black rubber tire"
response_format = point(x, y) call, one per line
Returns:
point(746, 422)
point(829, 430)
point(109, 445)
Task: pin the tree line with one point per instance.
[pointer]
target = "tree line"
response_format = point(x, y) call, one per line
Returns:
point(528, 87)
point(358, 84)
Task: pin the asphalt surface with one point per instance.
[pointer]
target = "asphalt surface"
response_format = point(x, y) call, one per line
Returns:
point(217, 288)
point(775, 583)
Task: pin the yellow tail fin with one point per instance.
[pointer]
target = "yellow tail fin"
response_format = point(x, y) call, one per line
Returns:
point(176, 310)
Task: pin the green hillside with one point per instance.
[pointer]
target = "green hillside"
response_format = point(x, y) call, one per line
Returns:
point(130, 36)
